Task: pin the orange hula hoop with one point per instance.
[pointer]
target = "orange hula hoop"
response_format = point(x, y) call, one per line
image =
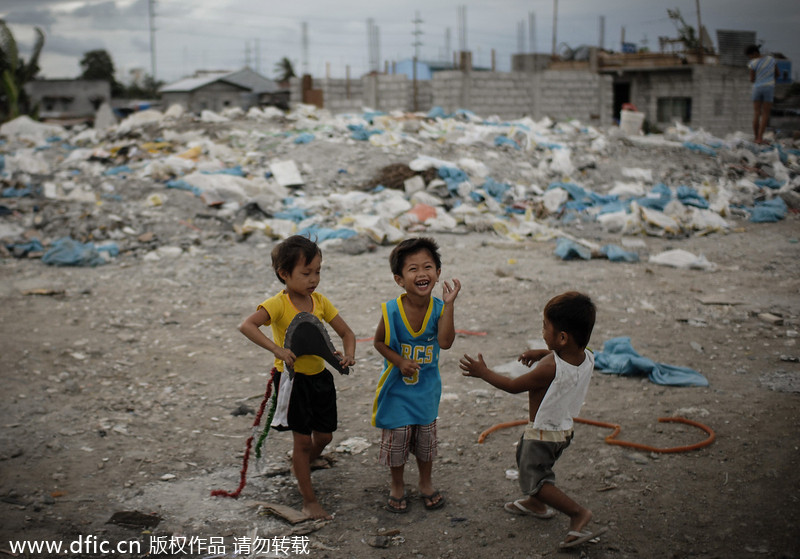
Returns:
point(611, 439)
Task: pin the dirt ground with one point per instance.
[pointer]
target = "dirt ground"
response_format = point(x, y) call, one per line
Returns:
point(120, 387)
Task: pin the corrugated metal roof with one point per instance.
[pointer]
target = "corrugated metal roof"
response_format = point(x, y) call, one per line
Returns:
point(244, 78)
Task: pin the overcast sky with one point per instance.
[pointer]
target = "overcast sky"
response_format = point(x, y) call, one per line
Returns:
point(227, 34)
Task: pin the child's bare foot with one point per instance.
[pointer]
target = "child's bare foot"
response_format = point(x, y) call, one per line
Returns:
point(314, 510)
point(576, 525)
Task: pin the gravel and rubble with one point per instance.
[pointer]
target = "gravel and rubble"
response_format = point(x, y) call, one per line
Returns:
point(127, 388)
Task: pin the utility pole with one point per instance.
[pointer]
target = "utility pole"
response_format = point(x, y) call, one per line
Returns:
point(532, 32)
point(151, 13)
point(417, 43)
point(305, 48)
point(699, 34)
point(555, 26)
point(417, 32)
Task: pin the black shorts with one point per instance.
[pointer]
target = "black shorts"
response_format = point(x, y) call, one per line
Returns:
point(312, 405)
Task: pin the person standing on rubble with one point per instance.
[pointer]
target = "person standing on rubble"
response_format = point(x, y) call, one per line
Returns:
point(763, 71)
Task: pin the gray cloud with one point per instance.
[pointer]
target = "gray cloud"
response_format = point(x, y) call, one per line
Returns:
point(109, 16)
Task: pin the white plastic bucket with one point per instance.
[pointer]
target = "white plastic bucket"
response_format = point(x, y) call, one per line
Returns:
point(630, 122)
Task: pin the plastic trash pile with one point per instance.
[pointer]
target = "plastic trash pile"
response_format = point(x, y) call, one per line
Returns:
point(159, 184)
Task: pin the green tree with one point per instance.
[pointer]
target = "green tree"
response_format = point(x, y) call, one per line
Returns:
point(148, 89)
point(97, 65)
point(15, 73)
point(284, 70)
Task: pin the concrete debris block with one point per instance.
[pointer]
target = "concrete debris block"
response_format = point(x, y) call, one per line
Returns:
point(104, 117)
point(414, 184)
point(286, 173)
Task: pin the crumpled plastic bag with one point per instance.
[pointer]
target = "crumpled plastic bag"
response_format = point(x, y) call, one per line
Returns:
point(66, 251)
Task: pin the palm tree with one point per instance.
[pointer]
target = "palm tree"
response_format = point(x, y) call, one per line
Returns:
point(15, 73)
point(284, 69)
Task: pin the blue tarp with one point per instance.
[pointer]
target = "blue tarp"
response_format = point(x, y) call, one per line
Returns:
point(234, 171)
point(768, 211)
point(453, 176)
point(618, 254)
point(319, 234)
point(505, 141)
point(119, 170)
point(66, 251)
point(658, 198)
point(181, 184)
point(619, 357)
point(699, 148)
point(688, 196)
point(769, 183)
point(304, 138)
point(570, 250)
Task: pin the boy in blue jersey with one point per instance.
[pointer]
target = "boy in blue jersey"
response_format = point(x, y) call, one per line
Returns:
point(412, 330)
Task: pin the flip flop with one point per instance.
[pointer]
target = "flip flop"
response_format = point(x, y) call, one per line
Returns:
point(395, 505)
point(519, 509)
point(581, 537)
point(432, 506)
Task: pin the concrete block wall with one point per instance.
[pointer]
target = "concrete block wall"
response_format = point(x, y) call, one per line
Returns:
point(563, 95)
point(447, 90)
point(341, 95)
point(385, 92)
point(504, 94)
point(424, 96)
point(721, 99)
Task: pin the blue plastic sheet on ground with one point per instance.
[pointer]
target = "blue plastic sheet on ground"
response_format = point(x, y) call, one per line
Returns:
point(658, 198)
point(294, 214)
point(768, 211)
point(14, 192)
point(362, 134)
point(320, 234)
point(233, 171)
point(437, 112)
point(619, 357)
point(699, 148)
point(370, 116)
point(570, 250)
point(496, 190)
point(181, 184)
point(505, 141)
point(453, 176)
point(304, 138)
point(688, 196)
point(66, 251)
point(768, 183)
point(119, 170)
point(616, 253)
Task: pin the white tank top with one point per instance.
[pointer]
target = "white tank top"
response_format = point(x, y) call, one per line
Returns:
point(565, 395)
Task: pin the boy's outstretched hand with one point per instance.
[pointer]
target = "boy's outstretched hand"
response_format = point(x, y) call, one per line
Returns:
point(473, 367)
point(449, 293)
point(531, 356)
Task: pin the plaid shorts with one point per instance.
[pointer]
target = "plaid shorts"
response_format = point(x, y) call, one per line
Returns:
point(397, 444)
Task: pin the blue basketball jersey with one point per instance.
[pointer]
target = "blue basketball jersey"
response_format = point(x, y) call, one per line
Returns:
point(399, 400)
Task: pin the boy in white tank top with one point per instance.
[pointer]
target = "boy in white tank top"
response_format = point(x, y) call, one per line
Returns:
point(556, 388)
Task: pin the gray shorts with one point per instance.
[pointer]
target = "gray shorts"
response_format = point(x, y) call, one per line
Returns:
point(535, 461)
